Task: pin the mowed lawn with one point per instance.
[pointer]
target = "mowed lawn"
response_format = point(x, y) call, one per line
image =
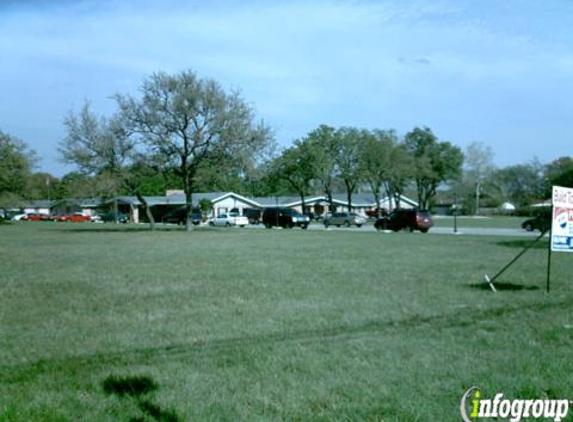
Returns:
point(100, 323)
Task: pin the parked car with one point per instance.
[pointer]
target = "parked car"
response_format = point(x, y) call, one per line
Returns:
point(230, 219)
point(36, 217)
point(284, 217)
point(19, 217)
point(110, 217)
point(179, 215)
point(76, 217)
point(345, 219)
point(374, 213)
point(405, 219)
point(253, 214)
point(540, 222)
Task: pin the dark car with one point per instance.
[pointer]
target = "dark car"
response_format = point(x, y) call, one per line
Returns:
point(405, 219)
point(178, 216)
point(254, 215)
point(284, 217)
point(110, 217)
point(540, 222)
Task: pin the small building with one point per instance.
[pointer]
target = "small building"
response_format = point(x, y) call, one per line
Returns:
point(319, 205)
point(87, 206)
point(41, 206)
point(222, 202)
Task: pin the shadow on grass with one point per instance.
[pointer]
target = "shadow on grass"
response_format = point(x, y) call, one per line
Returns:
point(128, 386)
point(523, 243)
point(137, 388)
point(509, 287)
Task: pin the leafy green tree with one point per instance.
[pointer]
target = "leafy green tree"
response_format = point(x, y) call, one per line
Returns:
point(8, 200)
point(75, 185)
point(560, 173)
point(349, 170)
point(374, 158)
point(295, 166)
point(148, 178)
point(188, 120)
point(323, 147)
point(400, 171)
point(521, 184)
point(16, 163)
point(435, 162)
point(42, 185)
point(386, 165)
point(206, 207)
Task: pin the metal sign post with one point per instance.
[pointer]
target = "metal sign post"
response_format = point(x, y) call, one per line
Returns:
point(548, 266)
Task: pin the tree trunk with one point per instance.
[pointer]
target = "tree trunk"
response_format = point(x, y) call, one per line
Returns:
point(188, 207)
point(420, 195)
point(377, 201)
point(330, 201)
point(349, 190)
point(398, 199)
point(188, 189)
point(115, 209)
point(375, 188)
point(147, 210)
point(478, 188)
point(389, 195)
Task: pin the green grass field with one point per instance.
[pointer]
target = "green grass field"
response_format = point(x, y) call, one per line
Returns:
point(100, 323)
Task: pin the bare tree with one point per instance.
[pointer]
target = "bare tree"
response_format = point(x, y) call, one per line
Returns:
point(478, 167)
point(102, 147)
point(188, 120)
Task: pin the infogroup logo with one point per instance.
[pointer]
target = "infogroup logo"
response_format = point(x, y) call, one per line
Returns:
point(474, 407)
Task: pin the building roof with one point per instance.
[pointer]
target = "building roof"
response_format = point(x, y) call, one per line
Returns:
point(37, 203)
point(363, 200)
point(80, 202)
point(179, 199)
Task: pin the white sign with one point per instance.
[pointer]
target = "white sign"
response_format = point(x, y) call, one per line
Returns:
point(562, 220)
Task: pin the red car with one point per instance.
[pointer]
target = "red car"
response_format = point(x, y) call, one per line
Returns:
point(31, 217)
point(405, 219)
point(76, 217)
point(37, 217)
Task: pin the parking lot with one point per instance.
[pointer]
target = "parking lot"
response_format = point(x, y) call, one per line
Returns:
point(480, 231)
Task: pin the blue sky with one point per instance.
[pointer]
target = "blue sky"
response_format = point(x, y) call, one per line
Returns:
point(497, 72)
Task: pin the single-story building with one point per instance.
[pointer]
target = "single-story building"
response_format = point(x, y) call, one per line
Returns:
point(87, 206)
point(41, 206)
point(221, 202)
point(319, 205)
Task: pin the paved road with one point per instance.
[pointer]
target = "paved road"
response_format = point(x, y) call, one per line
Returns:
point(433, 230)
